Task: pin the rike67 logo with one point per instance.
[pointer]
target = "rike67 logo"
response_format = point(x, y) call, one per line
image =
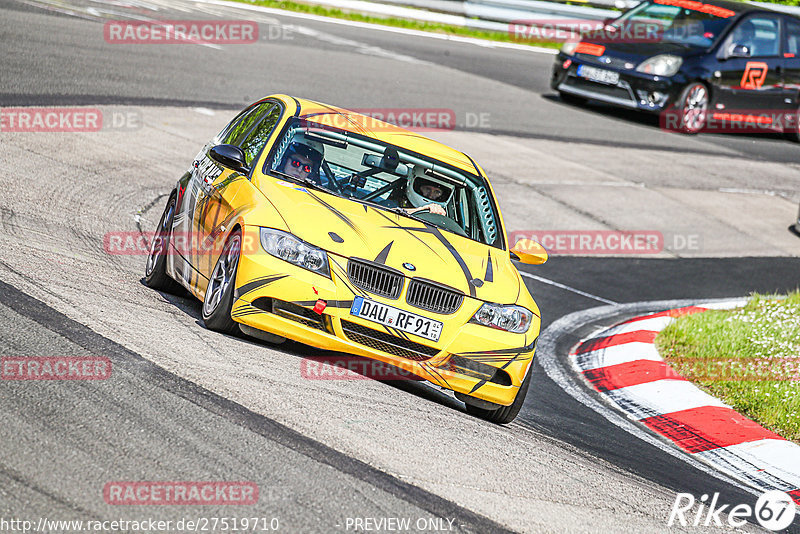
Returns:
point(755, 72)
point(774, 510)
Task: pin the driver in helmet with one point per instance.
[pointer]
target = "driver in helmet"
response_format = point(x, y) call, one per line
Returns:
point(301, 161)
point(426, 194)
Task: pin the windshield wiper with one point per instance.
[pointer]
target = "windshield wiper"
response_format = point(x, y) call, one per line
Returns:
point(305, 181)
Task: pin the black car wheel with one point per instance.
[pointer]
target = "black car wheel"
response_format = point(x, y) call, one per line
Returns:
point(503, 414)
point(693, 108)
point(218, 300)
point(155, 270)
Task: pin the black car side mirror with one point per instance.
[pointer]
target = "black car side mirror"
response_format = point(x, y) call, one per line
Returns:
point(229, 156)
point(737, 50)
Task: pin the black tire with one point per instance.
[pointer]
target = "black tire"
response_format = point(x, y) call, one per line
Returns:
point(503, 415)
point(155, 270)
point(218, 300)
point(692, 107)
point(575, 100)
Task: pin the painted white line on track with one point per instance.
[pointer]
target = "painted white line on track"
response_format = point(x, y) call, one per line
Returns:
point(379, 27)
point(660, 397)
point(562, 286)
point(587, 361)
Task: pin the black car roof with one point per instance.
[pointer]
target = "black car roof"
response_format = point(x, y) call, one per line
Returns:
point(736, 7)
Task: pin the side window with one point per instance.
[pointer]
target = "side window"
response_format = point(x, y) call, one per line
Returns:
point(792, 48)
point(257, 137)
point(760, 34)
point(235, 135)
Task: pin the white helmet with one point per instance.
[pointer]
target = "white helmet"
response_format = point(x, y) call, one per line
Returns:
point(423, 189)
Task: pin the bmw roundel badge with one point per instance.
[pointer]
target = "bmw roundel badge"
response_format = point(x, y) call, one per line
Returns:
point(409, 266)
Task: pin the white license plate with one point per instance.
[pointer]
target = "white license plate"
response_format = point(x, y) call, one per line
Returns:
point(598, 75)
point(396, 318)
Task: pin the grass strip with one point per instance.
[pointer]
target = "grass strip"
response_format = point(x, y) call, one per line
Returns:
point(434, 27)
point(749, 358)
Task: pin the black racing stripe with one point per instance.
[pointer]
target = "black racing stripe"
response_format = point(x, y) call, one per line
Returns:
point(260, 282)
point(344, 218)
point(461, 263)
point(344, 278)
point(407, 231)
point(431, 370)
point(384, 254)
point(245, 312)
point(430, 229)
point(489, 276)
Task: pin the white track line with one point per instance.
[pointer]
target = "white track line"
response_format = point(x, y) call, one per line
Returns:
point(562, 286)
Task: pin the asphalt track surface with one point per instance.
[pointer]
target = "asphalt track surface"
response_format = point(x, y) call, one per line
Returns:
point(170, 414)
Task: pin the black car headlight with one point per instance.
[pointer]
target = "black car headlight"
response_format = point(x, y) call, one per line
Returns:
point(511, 318)
point(289, 248)
point(661, 65)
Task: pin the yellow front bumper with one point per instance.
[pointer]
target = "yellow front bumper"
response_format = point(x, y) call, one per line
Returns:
point(449, 363)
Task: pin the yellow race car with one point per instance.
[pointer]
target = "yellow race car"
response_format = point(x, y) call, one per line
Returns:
point(309, 222)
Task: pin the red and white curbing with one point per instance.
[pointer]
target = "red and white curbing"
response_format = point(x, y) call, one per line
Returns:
point(623, 365)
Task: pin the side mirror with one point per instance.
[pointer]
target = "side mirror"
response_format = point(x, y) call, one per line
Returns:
point(229, 156)
point(530, 252)
point(737, 50)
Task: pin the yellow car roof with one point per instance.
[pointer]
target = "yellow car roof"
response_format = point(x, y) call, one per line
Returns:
point(371, 127)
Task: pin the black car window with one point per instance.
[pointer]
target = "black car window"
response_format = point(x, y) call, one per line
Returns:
point(792, 37)
point(228, 127)
point(760, 34)
point(258, 136)
point(689, 23)
point(237, 134)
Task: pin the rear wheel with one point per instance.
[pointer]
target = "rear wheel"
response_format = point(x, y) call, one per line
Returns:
point(218, 301)
point(503, 414)
point(572, 99)
point(155, 270)
point(693, 108)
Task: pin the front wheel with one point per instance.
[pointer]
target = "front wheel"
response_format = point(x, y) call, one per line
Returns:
point(155, 270)
point(693, 108)
point(503, 414)
point(218, 301)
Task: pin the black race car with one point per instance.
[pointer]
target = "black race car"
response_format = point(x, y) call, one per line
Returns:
point(715, 65)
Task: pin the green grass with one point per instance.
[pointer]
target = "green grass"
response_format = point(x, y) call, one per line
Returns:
point(749, 358)
point(434, 27)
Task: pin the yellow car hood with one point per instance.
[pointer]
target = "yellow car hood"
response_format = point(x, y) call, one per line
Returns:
point(351, 229)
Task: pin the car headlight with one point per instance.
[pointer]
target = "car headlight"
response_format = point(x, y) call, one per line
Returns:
point(289, 248)
point(661, 65)
point(510, 318)
point(568, 48)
